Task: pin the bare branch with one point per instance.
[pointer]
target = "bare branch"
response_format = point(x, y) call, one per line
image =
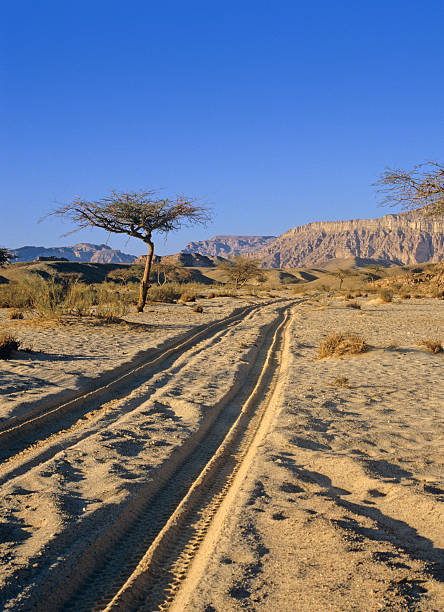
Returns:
point(137, 214)
point(420, 189)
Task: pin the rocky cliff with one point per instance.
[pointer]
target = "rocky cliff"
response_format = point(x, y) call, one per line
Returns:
point(83, 252)
point(400, 239)
point(228, 246)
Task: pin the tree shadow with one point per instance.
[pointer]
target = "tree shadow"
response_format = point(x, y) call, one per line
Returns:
point(12, 533)
point(397, 532)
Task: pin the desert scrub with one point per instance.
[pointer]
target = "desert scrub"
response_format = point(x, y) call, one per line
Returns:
point(188, 297)
point(433, 346)
point(111, 312)
point(385, 295)
point(15, 314)
point(197, 308)
point(353, 305)
point(341, 381)
point(8, 344)
point(18, 294)
point(165, 293)
point(336, 345)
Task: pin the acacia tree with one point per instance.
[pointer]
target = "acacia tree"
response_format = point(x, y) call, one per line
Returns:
point(137, 214)
point(420, 189)
point(240, 270)
point(5, 256)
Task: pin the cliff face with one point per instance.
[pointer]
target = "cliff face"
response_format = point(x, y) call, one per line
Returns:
point(228, 246)
point(401, 239)
point(83, 252)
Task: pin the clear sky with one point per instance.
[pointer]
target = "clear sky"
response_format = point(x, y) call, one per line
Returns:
point(278, 112)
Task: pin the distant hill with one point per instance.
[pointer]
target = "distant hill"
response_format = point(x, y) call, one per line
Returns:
point(184, 259)
point(82, 252)
point(228, 246)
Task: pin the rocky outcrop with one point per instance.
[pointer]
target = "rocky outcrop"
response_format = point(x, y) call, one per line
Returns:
point(398, 239)
point(228, 246)
point(83, 252)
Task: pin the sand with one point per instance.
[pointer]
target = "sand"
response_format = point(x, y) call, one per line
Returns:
point(341, 505)
point(70, 355)
point(342, 508)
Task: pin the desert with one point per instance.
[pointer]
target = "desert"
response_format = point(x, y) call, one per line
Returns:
point(214, 458)
point(222, 306)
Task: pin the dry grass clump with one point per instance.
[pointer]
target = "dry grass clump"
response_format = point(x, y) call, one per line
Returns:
point(433, 346)
point(353, 305)
point(336, 345)
point(8, 344)
point(15, 315)
point(385, 295)
point(197, 308)
point(341, 381)
point(211, 295)
point(188, 297)
point(165, 293)
point(299, 290)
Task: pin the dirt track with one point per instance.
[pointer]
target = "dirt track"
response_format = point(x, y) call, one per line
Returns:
point(230, 473)
point(91, 556)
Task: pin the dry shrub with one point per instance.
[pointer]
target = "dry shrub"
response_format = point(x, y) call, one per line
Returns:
point(8, 344)
point(211, 295)
point(433, 346)
point(393, 346)
point(336, 345)
point(19, 294)
point(187, 297)
point(341, 381)
point(15, 314)
point(299, 290)
point(348, 296)
point(165, 293)
point(385, 295)
point(353, 305)
point(197, 308)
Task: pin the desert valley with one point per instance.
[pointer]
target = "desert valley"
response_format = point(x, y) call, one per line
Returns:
point(268, 442)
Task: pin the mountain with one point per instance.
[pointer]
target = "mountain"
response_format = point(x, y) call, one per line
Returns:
point(400, 239)
point(84, 252)
point(228, 246)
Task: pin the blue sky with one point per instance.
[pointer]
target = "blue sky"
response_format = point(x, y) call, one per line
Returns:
point(280, 113)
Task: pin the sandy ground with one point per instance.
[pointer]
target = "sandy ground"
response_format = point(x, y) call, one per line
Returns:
point(50, 511)
point(68, 356)
point(343, 505)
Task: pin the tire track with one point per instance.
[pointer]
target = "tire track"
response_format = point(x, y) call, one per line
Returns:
point(37, 439)
point(142, 560)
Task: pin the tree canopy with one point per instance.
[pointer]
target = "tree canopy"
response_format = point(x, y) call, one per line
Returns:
point(137, 214)
point(240, 270)
point(5, 256)
point(420, 189)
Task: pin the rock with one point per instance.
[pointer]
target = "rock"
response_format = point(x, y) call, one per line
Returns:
point(228, 246)
point(400, 239)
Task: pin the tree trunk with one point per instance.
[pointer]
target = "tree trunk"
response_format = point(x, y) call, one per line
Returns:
point(144, 283)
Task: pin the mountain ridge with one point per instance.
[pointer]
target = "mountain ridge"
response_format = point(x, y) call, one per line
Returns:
point(399, 239)
point(84, 252)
